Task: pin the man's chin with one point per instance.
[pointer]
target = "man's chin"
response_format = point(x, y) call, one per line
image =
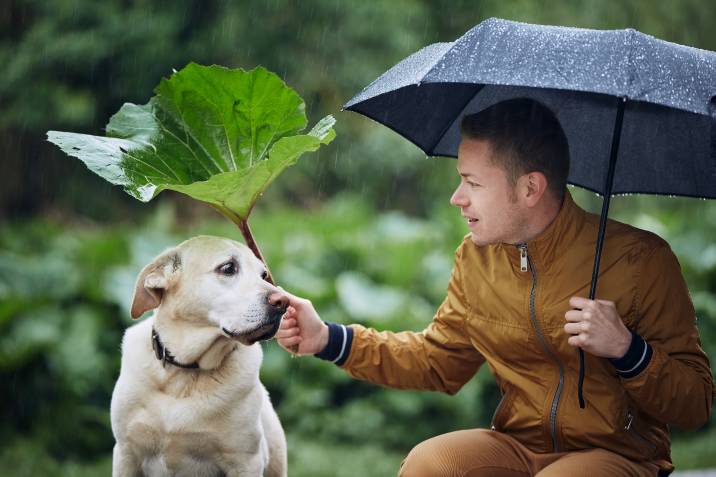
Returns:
point(481, 241)
point(476, 240)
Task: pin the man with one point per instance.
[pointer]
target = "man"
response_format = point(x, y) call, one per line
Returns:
point(516, 300)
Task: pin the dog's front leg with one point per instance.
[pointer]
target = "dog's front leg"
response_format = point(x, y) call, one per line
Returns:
point(124, 464)
point(253, 466)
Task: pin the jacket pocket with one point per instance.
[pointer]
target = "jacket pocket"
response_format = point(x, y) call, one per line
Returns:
point(642, 445)
point(502, 410)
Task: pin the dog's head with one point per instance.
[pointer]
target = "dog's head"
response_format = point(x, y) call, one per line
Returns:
point(212, 281)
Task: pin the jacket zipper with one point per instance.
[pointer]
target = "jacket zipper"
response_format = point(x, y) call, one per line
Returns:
point(526, 261)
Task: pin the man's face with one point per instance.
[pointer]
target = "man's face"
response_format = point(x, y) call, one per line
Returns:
point(485, 197)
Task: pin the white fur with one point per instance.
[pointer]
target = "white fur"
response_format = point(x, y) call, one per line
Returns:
point(213, 421)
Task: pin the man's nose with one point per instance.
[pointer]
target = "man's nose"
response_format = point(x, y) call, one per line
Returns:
point(278, 300)
point(458, 199)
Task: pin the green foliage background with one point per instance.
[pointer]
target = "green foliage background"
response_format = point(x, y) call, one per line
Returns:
point(364, 221)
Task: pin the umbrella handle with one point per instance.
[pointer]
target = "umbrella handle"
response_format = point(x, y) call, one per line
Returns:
point(608, 182)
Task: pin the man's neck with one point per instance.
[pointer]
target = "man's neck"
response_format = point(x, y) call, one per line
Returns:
point(541, 217)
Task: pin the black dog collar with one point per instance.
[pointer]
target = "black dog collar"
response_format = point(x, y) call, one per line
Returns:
point(164, 355)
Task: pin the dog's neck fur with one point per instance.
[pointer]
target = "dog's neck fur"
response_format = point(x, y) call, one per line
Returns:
point(189, 343)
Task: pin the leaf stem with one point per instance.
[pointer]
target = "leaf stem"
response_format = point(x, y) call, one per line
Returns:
point(243, 225)
point(246, 232)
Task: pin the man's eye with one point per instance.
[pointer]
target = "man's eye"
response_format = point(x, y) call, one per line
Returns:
point(228, 269)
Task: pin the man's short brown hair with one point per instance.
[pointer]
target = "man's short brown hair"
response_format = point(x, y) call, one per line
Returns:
point(525, 136)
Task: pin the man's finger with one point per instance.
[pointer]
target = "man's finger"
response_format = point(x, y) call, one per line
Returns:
point(289, 343)
point(287, 323)
point(295, 302)
point(287, 333)
point(580, 302)
point(577, 340)
point(292, 341)
point(574, 315)
point(574, 328)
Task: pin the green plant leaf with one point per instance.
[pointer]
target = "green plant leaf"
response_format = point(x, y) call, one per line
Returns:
point(218, 135)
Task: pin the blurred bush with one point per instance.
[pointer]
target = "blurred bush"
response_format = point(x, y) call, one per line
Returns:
point(65, 292)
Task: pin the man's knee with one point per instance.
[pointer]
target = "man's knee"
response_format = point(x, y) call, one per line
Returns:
point(453, 454)
point(424, 460)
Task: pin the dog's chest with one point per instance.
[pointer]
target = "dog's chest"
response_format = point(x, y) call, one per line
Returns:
point(174, 448)
point(189, 437)
point(179, 465)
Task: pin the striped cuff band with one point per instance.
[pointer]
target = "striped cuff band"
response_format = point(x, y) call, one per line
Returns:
point(636, 358)
point(340, 339)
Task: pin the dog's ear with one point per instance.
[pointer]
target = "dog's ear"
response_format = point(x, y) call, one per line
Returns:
point(153, 281)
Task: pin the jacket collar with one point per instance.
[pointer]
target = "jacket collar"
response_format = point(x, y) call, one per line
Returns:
point(559, 235)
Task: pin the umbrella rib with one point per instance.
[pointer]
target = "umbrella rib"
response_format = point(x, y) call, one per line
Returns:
point(450, 123)
point(631, 34)
point(640, 192)
point(440, 58)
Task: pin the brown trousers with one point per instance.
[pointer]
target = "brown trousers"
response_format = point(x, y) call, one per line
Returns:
point(481, 452)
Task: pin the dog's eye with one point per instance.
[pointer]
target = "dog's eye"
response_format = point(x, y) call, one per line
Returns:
point(228, 268)
point(264, 275)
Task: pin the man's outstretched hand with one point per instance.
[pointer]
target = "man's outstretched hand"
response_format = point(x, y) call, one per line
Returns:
point(597, 328)
point(302, 331)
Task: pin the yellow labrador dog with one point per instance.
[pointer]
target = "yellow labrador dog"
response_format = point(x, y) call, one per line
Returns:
point(188, 401)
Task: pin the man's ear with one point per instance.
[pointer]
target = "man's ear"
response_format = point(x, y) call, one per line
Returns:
point(535, 184)
point(153, 281)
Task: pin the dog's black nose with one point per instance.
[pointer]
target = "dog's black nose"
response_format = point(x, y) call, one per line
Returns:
point(278, 300)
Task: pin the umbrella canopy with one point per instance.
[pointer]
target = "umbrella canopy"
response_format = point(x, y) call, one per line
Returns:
point(639, 113)
point(668, 133)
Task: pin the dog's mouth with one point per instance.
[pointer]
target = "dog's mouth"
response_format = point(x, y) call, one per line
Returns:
point(263, 332)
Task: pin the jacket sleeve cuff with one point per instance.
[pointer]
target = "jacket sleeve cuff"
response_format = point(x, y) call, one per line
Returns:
point(635, 360)
point(340, 339)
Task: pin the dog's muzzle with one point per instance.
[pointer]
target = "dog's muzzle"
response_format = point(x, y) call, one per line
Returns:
point(263, 332)
point(276, 305)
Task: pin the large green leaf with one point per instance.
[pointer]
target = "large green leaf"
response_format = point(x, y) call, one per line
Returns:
point(216, 134)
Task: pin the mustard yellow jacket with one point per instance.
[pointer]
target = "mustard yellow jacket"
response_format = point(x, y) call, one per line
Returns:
point(512, 317)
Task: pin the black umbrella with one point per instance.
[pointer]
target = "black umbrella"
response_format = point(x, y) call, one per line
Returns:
point(639, 112)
